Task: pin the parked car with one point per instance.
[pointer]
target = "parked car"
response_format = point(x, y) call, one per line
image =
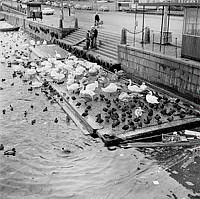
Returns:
point(77, 6)
point(86, 7)
point(104, 8)
point(47, 11)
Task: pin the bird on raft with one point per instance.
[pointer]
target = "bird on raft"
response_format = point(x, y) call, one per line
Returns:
point(134, 88)
point(139, 112)
point(10, 152)
point(111, 88)
point(152, 99)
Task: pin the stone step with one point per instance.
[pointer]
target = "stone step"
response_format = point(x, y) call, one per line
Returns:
point(106, 54)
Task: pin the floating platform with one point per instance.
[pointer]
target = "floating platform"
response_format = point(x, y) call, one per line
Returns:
point(5, 27)
point(113, 119)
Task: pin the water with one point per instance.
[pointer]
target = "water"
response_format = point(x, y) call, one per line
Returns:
point(42, 170)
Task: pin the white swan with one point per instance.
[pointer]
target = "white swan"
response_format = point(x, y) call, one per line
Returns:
point(139, 112)
point(111, 88)
point(123, 96)
point(32, 42)
point(143, 86)
point(44, 42)
point(36, 84)
point(134, 88)
point(73, 87)
point(57, 55)
point(92, 86)
point(151, 98)
point(87, 92)
point(38, 42)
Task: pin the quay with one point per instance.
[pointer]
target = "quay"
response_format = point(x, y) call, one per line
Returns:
point(180, 75)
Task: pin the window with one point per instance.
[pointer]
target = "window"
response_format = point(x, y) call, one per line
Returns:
point(192, 21)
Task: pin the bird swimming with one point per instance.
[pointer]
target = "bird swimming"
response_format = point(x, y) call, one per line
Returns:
point(10, 152)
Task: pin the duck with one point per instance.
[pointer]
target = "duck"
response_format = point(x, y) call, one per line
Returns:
point(32, 42)
point(10, 152)
point(56, 120)
point(134, 88)
point(150, 98)
point(66, 150)
point(1, 147)
point(45, 109)
point(139, 112)
point(111, 88)
point(4, 111)
point(38, 42)
point(33, 122)
point(11, 108)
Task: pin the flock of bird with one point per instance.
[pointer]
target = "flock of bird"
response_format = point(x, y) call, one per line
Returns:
point(123, 105)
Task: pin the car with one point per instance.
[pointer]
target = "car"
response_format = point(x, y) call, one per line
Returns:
point(47, 11)
point(86, 7)
point(104, 8)
point(48, 3)
point(77, 6)
point(65, 5)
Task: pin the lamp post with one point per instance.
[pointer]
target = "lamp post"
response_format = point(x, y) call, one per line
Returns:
point(61, 16)
point(136, 23)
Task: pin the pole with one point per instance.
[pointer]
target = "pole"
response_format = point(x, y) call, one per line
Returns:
point(168, 24)
point(135, 23)
point(62, 16)
point(143, 25)
point(161, 29)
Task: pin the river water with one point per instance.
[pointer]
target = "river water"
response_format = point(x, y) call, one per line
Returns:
point(40, 169)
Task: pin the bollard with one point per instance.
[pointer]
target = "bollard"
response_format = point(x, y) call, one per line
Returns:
point(123, 36)
point(76, 23)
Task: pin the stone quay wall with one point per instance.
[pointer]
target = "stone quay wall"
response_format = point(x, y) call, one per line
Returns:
point(36, 29)
point(178, 75)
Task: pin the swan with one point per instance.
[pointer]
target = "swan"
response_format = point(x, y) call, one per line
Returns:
point(92, 86)
point(73, 87)
point(84, 91)
point(44, 42)
point(123, 95)
point(150, 98)
point(70, 79)
point(139, 112)
point(38, 42)
point(36, 84)
point(79, 70)
point(143, 87)
point(32, 42)
point(111, 88)
point(57, 55)
point(134, 88)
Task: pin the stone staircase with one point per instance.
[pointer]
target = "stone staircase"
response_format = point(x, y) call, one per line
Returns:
point(106, 42)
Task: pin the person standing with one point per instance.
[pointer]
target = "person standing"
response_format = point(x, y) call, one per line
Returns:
point(96, 19)
point(87, 39)
point(95, 33)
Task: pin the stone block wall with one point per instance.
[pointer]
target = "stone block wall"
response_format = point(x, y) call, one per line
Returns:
point(177, 74)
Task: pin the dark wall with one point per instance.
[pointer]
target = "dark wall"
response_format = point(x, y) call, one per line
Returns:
point(191, 47)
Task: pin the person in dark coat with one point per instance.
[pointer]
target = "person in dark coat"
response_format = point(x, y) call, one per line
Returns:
point(96, 19)
point(34, 17)
point(87, 39)
point(95, 34)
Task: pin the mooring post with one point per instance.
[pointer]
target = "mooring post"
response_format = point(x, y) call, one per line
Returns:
point(123, 36)
point(176, 46)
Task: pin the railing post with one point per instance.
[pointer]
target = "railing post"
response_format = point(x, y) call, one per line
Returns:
point(176, 46)
point(123, 36)
point(153, 42)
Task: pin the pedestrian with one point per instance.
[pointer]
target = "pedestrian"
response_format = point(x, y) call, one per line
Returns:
point(34, 17)
point(92, 37)
point(87, 39)
point(96, 19)
point(41, 17)
point(95, 32)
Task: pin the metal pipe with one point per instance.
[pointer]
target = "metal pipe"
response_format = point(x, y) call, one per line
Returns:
point(161, 29)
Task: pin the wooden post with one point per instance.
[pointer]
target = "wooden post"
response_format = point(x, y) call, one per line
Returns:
point(153, 43)
point(176, 47)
